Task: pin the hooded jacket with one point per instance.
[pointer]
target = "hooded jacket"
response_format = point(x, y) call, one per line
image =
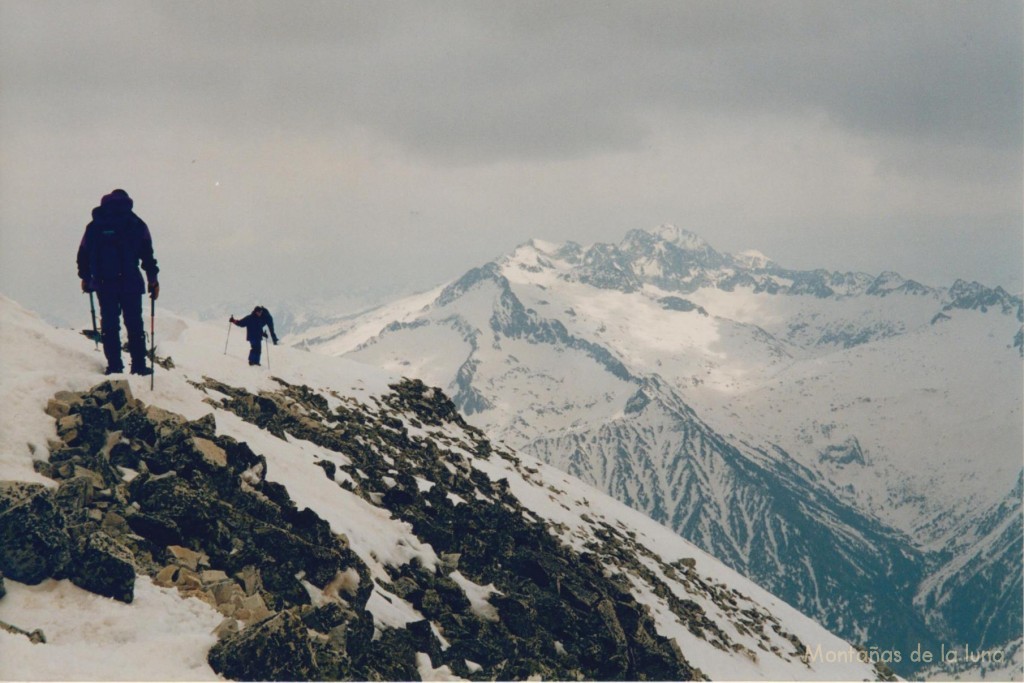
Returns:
point(115, 242)
point(254, 325)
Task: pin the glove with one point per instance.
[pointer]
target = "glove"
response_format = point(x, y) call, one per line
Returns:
point(232, 319)
point(154, 290)
point(86, 287)
point(275, 341)
point(265, 335)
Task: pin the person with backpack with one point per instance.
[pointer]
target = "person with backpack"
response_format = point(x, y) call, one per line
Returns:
point(254, 324)
point(115, 243)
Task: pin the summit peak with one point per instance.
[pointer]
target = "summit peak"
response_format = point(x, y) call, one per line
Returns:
point(678, 236)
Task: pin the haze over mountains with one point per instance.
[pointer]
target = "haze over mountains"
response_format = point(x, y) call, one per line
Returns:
point(853, 442)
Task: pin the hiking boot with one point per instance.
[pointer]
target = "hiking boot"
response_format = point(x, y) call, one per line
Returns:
point(113, 371)
point(144, 370)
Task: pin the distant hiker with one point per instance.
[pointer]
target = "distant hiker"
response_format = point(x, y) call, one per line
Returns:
point(254, 324)
point(116, 241)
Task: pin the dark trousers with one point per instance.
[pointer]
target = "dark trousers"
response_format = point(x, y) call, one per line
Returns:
point(112, 306)
point(255, 347)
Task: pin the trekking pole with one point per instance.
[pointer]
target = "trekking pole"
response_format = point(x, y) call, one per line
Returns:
point(95, 333)
point(226, 340)
point(152, 340)
point(268, 354)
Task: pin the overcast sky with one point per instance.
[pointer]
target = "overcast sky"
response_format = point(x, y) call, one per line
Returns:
point(283, 151)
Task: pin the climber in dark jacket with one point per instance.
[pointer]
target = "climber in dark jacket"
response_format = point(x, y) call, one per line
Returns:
point(115, 243)
point(254, 324)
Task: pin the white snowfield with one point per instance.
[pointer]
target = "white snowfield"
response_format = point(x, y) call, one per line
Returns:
point(936, 407)
point(161, 636)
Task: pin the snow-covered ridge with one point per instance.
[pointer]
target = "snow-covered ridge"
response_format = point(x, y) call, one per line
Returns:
point(454, 547)
point(638, 366)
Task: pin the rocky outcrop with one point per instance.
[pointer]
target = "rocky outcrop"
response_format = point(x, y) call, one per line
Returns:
point(34, 543)
point(551, 611)
point(142, 491)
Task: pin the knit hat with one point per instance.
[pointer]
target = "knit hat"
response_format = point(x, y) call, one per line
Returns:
point(118, 199)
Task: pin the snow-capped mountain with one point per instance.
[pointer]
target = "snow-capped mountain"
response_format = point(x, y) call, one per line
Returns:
point(329, 521)
point(852, 442)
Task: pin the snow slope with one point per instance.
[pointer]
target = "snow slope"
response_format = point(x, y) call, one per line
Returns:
point(163, 636)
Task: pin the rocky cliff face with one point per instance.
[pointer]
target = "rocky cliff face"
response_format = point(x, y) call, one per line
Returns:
point(496, 591)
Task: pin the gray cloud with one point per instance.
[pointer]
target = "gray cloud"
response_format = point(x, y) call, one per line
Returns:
point(332, 143)
point(482, 81)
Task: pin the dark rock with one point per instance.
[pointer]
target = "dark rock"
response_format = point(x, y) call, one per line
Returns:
point(423, 639)
point(16, 492)
point(34, 544)
point(171, 498)
point(125, 455)
point(96, 421)
point(74, 496)
point(276, 649)
point(392, 657)
point(206, 426)
point(675, 303)
point(134, 425)
point(329, 468)
point(350, 631)
point(105, 567)
point(114, 396)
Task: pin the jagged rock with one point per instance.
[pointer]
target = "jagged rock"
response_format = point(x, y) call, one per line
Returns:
point(57, 409)
point(205, 427)
point(211, 576)
point(34, 544)
point(125, 454)
point(67, 424)
point(277, 649)
point(349, 630)
point(186, 557)
point(95, 422)
point(155, 528)
point(393, 657)
point(250, 608)
point(160, 416)
point(75, 495)
point(114, 524)
point(450, 562)
point(15, 492)
point(117, 393)
point(250, 579)
point(329, 468)
point(168, 576)
point(105, 567)
point(95, 478)
point(211, 452)
point(226, 628)
point(225, 592)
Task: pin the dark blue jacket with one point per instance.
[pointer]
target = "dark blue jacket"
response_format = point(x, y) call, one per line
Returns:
point(113, 246)
point(254, 324)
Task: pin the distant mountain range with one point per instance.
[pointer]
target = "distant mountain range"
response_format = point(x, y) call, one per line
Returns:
point(852, 442)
